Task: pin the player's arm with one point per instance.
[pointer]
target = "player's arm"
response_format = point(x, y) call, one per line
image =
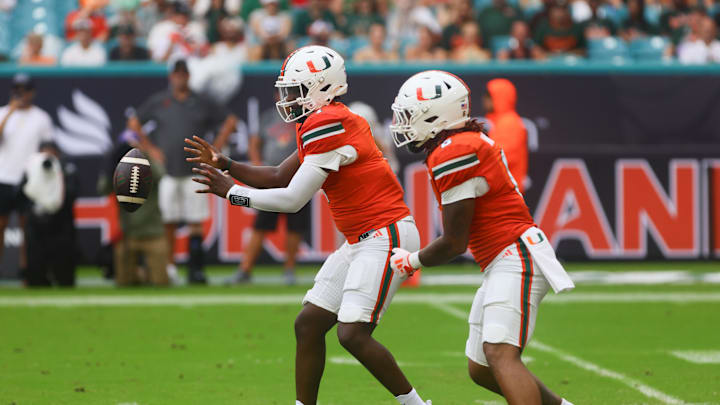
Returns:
point(254, 176)
point(453, 242)
point(12, 106)
point(302, 187)
point(456, 233)
point(227, 128)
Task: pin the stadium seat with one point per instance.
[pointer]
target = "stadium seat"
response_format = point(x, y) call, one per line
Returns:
point(41, 16)
point(5, 42)
point(356, 43)
point(650, 49)
point(608, 50)
point(341, 45)
point(500, 42)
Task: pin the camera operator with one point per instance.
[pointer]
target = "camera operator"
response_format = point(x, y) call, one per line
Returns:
point(51, 187)
point(23, 126)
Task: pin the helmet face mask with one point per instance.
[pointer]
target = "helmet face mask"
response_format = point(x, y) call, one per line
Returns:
point(293, 101)
point(310, 79)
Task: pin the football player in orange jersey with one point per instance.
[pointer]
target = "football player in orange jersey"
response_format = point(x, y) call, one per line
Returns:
point(481, 209)
point(336, 153)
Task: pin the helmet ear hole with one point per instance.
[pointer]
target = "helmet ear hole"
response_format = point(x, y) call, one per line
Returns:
point(325, 88)
point(431, 119)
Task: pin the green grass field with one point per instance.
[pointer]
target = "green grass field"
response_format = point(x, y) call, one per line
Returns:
point(600, 344)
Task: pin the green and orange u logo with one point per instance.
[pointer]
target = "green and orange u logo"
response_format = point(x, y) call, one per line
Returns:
point(540, 239)
point(438, 93)
point(312, 67)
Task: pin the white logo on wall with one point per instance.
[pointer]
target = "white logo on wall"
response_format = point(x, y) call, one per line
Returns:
point(85, 131)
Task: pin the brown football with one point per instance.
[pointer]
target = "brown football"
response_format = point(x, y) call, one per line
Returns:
point(132, 180)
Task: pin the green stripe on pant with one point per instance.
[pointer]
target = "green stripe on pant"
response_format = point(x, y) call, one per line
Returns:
point(387, 274)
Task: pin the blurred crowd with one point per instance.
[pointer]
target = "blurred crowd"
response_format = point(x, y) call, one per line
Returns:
point(472, 31)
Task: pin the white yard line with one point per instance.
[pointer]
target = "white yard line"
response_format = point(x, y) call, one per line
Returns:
point(644, 389)
point(295, 299)
point(698, 356)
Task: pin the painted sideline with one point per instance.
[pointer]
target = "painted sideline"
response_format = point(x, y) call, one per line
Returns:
point(644, 389)
point(295, 299)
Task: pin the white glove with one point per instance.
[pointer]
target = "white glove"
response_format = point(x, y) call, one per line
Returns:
point(404, 263)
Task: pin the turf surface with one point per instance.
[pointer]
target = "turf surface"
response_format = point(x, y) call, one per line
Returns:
point(244, 354)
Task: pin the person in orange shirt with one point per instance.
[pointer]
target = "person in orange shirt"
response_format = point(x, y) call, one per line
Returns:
point(507, 128)
point(32, 54)
point(482, 209)
point(336, 152)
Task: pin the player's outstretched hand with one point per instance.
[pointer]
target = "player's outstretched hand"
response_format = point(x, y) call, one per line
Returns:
point(217, 182)
point(400, 263)
point(203, 152)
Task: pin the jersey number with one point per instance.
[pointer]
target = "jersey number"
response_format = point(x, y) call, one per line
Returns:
point(504, 160)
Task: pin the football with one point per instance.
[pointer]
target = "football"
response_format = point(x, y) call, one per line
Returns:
point(132, 180)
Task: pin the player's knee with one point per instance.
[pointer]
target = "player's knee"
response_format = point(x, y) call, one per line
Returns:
point(304, 327)
point(498, 354)
point(350, 336)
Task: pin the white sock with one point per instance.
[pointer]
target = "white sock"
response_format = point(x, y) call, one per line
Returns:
point(411, 398)
point(298, 402)
point(565, 402)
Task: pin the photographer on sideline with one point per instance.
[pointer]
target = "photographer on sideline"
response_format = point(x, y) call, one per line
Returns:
point(23, 126)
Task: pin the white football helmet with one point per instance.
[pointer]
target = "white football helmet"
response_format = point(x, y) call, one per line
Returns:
point(428, 103)
point(310, 78)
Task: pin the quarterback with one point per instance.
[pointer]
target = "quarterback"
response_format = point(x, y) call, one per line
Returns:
point(481, 209)
point(336, 153)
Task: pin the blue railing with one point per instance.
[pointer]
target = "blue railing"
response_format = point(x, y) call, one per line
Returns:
point(572, 66)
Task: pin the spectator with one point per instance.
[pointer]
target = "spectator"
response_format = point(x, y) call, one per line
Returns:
point(365, 15)
point(127, 49)
point(85, 51)
point(215, 13)
point(7, 5)
point(229, 7)
point(406, 20)
point(470, 49)
point(319, 32)
point(179, 113)
point(559, 34)
point(51, 187)
point(270, 145)
point(701, 47)
point(271, 27)
point(142, 231)
point(497, 20)
point(89, 10)
point(636, 25)
point(250, 6)
point(597, 27)
point(316, 10)
point(507, 128)
point(32, 52)
point(675, 22)
point(460, 13)
point(177, 37)
point(375, 50)
point(520, 46)
point(150, 13)
point(543, 15)
point(232, 46)
point(23, 127)
point(427, 48)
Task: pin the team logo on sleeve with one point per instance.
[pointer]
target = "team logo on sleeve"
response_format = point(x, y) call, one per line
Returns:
point(438, 93)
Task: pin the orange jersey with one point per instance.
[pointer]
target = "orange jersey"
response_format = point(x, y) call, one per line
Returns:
point(364, 195)
point(501, 215)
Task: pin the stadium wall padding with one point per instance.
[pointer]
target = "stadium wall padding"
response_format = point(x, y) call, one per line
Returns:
point(624, 162)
